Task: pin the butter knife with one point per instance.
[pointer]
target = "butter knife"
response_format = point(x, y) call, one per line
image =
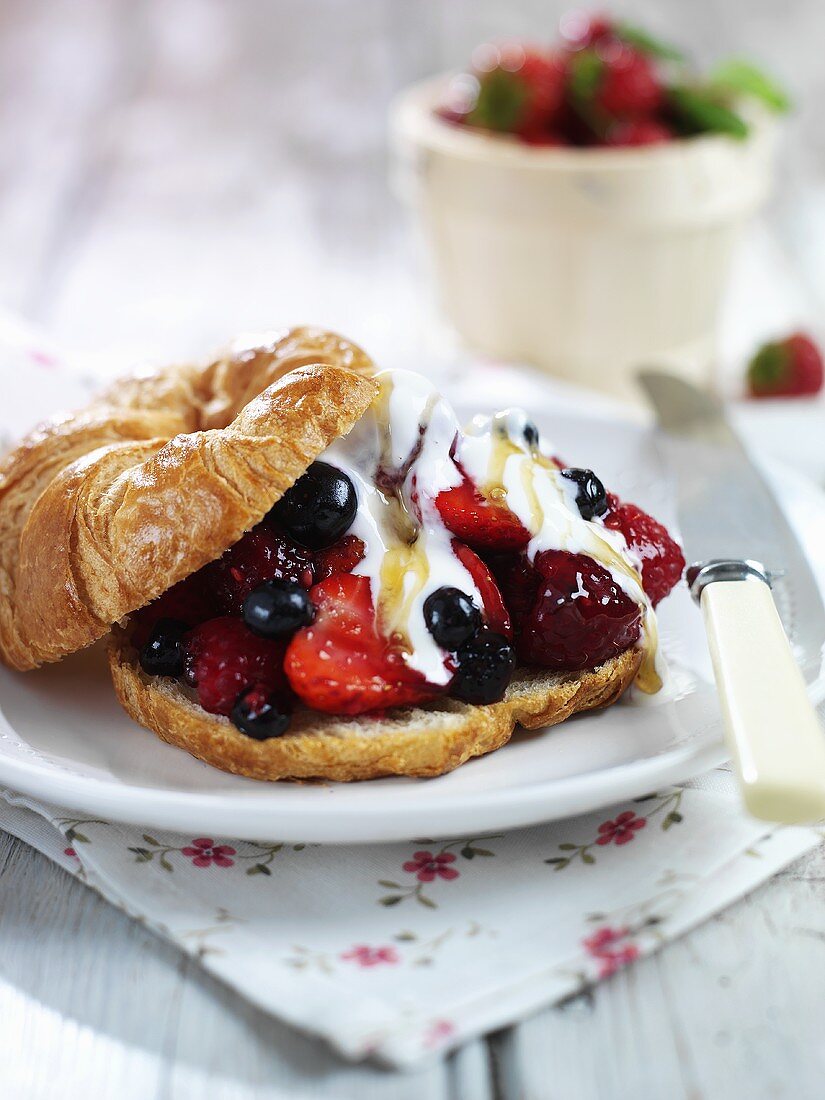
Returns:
point(762, 607)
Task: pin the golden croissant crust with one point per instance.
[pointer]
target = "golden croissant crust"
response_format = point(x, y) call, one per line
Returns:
point(103, 509)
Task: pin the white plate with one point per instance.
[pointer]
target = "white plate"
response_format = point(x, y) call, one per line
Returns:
point(64, 739)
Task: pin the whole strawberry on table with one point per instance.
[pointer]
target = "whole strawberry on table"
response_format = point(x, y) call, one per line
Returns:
point(606, 84)
point(790, 367)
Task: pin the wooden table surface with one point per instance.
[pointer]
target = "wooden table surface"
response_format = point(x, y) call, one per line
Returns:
point(172, 172)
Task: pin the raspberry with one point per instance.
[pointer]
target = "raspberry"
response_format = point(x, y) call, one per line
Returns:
point(544, 77)
point(261, 555)
point(629, 86)
point(341, 557)
point(661, 557)
point(189, 601)
point(786, 368)
point(569, 613)
point(639, 131)
point(222, 658)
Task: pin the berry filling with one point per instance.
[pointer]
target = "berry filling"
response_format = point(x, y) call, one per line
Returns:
point(485, 666)
point(661, 557)
point(414, 561)
point(451, 617)
point(222, 657)
point(568, 611)
point(481, 522)
point(343, 664)
point(342, 557)
point(261, 713)
point(191, 601)
point(263, 554)
point(276, 609)
point(318, 509)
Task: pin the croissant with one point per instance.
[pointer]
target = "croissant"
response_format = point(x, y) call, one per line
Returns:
point(104, 509)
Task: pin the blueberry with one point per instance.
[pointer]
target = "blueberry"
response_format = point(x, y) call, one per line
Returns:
point(259, 713)
point(531, 434)
point(451, 617)
point(276, 609)
point(591, 498)
point(163, 653)
point(485, 668)
point(319, 508)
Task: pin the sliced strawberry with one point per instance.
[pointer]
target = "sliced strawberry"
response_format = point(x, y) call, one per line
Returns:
point(495, 613)
point(661, 556)
point(482, 523)
point(341, 664)
point(341, 557)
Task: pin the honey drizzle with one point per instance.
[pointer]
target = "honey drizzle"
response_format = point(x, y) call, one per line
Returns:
point(405, 569)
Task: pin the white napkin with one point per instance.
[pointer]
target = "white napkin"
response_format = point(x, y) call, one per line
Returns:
point(400, 951)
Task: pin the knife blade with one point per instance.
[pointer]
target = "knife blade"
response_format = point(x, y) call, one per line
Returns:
point(727, 510)
point(763, 651)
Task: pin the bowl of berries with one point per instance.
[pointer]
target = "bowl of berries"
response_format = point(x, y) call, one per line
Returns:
point(581, 204)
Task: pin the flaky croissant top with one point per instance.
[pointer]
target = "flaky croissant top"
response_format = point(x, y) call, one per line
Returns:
point(103, 509)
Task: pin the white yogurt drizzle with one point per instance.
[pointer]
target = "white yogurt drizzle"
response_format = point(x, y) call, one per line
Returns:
point(399, 457)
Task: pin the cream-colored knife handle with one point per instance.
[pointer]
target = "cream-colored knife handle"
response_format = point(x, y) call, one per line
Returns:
point(775, 738)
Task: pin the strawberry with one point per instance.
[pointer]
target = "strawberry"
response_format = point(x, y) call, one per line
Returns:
point(609, 84)
point(661, 556)
point(521, 93)
point(544, 77)
point(341, 664)
point(496, 615)
point(629, 86)
point(482, 523)
point(786, 368)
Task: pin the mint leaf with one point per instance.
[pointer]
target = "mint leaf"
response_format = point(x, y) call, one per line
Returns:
point(742, 78)
point(500, 103)
point(700, 112)
point(646, 43)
